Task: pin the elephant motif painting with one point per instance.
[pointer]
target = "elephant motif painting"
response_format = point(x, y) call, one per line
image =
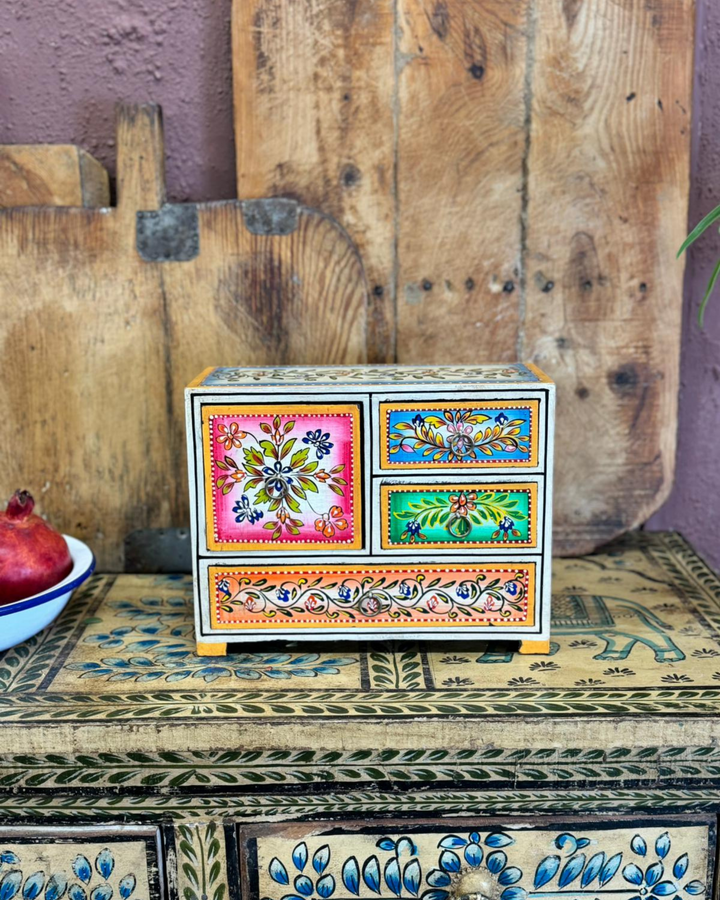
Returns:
point(582, 614)
point(628, 624)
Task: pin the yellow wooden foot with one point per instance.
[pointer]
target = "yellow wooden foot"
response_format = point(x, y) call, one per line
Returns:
point(211, 649)
point(534, 647)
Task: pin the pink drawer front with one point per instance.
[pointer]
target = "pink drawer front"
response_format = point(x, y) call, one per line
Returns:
point(282, 477)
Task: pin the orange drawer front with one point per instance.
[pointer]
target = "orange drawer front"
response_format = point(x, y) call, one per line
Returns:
point(412, 596)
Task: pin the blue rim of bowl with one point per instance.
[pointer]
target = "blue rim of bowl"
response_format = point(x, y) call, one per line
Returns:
point(65, 587)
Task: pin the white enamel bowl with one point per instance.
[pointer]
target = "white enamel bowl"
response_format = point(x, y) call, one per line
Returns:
point(24, 618)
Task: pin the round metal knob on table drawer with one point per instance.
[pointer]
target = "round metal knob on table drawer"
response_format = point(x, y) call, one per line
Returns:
point(476, 884)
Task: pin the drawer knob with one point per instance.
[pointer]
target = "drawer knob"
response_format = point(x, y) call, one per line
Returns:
point(476, 885)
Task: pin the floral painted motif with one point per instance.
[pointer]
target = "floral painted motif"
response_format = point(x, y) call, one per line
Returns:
point(457, 515)
point(458, 436)
point(81, 881)
point(484, 864)
point(469, 594)
point(590, 872)
point(158, 646)
point(287, 476)
point(368, 375)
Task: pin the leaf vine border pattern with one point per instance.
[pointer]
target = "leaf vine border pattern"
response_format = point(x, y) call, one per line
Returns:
point(359, 596)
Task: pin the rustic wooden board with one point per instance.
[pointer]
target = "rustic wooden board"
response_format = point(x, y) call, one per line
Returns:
point(51, 175)
point(610, 132)
point(321, 96)
point(98, 343)
point(538, 189)
point(460, 146)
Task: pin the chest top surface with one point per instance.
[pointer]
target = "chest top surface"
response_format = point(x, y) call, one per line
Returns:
point(496, 375)
point(635, 640)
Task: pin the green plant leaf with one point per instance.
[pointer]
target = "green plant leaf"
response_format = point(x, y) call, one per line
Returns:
point(711, 217)
point(299, 457)
point(708, 291)
point(287, 447)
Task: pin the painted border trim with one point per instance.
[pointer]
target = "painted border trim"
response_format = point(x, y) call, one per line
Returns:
point(358, 501)
point(385, 407)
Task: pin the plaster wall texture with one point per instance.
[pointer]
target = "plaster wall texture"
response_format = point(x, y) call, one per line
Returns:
point(65, 63)
point(693, 506)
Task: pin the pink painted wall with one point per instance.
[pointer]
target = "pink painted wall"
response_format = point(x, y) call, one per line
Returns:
point(64, 64)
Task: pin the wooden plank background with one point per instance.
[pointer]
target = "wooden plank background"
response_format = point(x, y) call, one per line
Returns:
point(98, 344)
point(51, 175)
point(515, 175)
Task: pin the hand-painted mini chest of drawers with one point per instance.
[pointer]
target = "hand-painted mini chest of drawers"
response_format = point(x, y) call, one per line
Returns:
point(392, 500)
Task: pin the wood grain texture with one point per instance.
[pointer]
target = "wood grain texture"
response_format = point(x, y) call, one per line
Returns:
point(313, 94)
point(460, 142)
point(51, 175)
point(539, 192)
point(608, 164)
point(97, 344)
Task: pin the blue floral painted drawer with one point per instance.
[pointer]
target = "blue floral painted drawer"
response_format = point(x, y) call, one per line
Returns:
point(454, 432)
point(583, 859)
point(80, 863)
point(305, 481)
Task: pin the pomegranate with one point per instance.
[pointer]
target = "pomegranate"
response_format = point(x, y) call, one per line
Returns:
point(33, 556)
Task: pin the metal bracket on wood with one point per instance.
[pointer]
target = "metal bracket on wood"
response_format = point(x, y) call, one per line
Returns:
point(270, 216)
point(158, 551)
point(168, 234)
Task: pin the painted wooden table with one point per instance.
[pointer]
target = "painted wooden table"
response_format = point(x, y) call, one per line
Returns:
point(132, 769)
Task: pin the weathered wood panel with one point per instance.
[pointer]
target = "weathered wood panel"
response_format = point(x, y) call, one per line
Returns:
point(608, 181)
point(97, 343)
point(538, 148)
point(51, 175)
point(460, 144)
point(314, 114)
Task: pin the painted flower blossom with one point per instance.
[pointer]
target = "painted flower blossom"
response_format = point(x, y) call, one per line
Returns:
point(244, 511)
point(506, 527)
point(230, 435)
point(493, 603)
point(328, 522)
point(462, 503)
point(318, 440)
point(278, 479)
point(413, 532)
point(460, 439)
